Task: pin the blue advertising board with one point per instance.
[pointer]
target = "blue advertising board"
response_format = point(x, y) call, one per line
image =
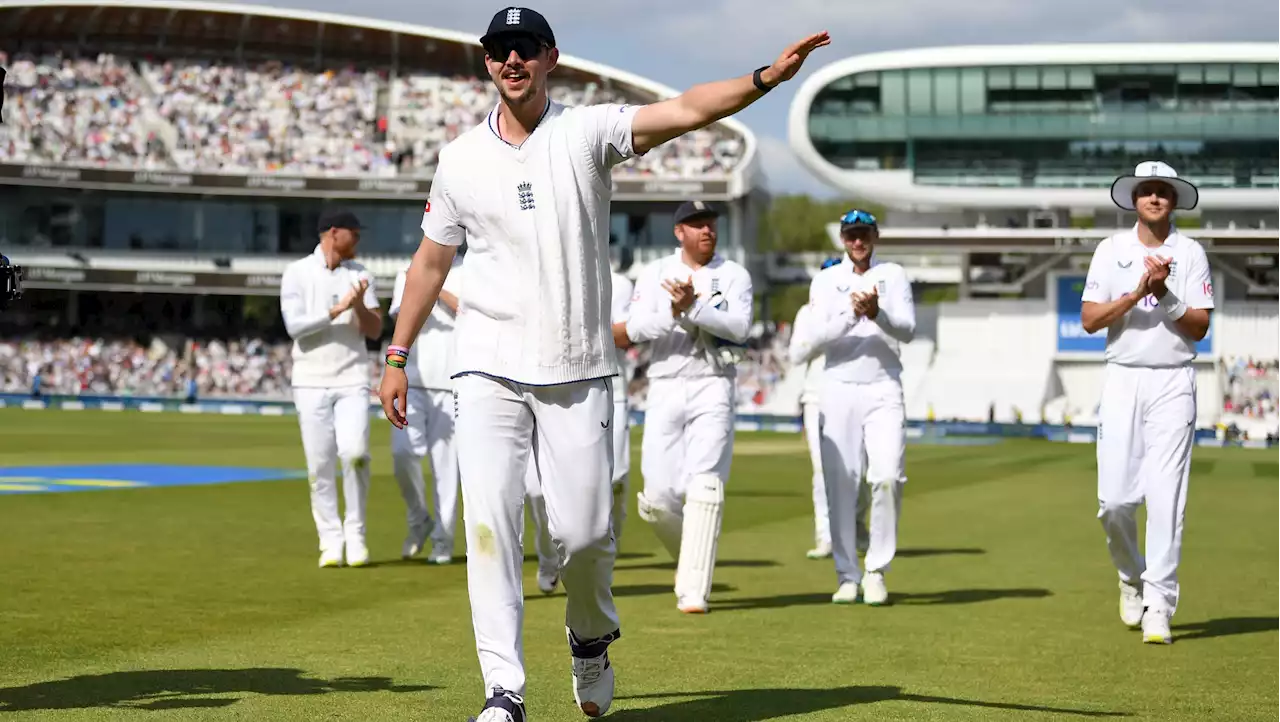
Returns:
point(1071, 335)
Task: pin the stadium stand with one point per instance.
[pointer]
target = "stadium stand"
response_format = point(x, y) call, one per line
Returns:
point(197, 115)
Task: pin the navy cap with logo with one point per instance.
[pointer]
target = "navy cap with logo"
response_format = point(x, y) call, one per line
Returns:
point(337, 218)
point(514, 20)
point(690, 210)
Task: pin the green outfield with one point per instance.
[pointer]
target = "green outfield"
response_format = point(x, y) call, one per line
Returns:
point(205, 603)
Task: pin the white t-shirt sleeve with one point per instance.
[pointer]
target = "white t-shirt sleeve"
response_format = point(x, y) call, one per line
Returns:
point(440, 219)
point(370, 292)
point(1097, 287)
point(1199, 280)
point(397, 294)
point(608, 129)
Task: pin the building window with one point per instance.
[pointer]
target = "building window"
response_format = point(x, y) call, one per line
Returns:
point(919, 92)
point(973, 91)
point(893, 93)
point(946, 91)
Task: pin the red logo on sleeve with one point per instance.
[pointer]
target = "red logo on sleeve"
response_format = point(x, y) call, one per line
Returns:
point(1208, 288)
point(428, 208)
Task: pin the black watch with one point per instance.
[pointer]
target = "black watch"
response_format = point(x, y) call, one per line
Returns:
point(759, 81)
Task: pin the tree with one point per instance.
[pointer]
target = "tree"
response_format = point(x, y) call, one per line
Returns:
point(797, 223)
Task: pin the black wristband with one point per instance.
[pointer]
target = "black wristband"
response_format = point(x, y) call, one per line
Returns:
point(759, 81)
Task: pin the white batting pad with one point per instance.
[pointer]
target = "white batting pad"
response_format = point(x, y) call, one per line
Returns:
point(666, 525)
point(703, 507)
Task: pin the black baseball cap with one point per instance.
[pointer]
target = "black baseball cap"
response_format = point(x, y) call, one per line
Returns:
point(690, 210)
point(337, 218)
point(514, 20)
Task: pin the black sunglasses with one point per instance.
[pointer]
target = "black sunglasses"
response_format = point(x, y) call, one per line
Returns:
point(525, 46)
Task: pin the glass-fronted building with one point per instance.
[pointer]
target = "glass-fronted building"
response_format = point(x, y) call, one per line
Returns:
point(1043, 128)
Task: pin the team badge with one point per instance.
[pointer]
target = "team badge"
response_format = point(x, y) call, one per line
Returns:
point(525, 191)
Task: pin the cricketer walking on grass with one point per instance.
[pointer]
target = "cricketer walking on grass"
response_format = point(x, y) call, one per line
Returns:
point(693, 307)
point(528, 189)
point(863, 310)
point(1150, 288)
point(428, 432)
point(329, 308)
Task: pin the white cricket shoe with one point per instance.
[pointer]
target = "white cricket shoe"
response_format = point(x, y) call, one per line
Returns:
point(503, 706)
point(357, 554)
point(414, 543)
point(441, 554)
point(331, 558)
point(1131, 605)
point(846, 594)
point(593, 678)
point(547, 581)
point(821, 551)
point(693, 605)
point(874, 592)
point(1155, 627)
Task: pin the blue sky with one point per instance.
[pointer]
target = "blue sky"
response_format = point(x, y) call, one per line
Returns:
point(683, 42)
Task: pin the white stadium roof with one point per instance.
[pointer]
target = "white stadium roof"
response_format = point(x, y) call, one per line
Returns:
point(743, 176)
point(896, 187)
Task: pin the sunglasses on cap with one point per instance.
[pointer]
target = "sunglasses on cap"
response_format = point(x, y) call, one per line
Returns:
point(855, 217)
point(525, 45)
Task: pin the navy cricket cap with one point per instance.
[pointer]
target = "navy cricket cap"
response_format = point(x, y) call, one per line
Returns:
point(519, 20)
point(337, 218)
point(690, 210)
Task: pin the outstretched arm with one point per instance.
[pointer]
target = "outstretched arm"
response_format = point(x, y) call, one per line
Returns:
point(704, 104)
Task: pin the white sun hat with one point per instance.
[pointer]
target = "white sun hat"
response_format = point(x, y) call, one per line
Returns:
point(1122, 188)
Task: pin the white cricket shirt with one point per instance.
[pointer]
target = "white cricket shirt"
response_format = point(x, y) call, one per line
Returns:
point(690, 345)
point(1146, 336)
point(536, 221)
point(431, 358)
point(620, 311)
point(858, 349)
point(802, 353)
point(326, 353)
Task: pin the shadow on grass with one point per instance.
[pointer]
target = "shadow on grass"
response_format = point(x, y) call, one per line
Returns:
point(757, 705)
point(633, 590)
point(720, 564)
point(172, 689)
point(928, 552)
point(1224, 627)
point(953, 596)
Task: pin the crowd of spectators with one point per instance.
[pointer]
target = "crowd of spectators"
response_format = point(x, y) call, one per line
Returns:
point(202, 116)
point(258, 369)
point(1249, 395)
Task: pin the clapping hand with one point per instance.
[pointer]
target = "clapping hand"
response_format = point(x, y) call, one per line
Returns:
point(1157, 273)
point(682, 295)
point(866, 304)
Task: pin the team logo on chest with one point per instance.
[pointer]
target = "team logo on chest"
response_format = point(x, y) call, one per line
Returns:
point(525, 190)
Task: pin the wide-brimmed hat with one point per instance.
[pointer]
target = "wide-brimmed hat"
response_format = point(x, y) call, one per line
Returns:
point(1122, 188)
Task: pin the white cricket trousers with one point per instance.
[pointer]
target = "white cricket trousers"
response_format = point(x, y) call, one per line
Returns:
point(548, 557)
point(688, 430)
point(811, 415)
point(428, 434)
point(1146, 431)
point(862, 421)
point(501, 427)
point(335, 429)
